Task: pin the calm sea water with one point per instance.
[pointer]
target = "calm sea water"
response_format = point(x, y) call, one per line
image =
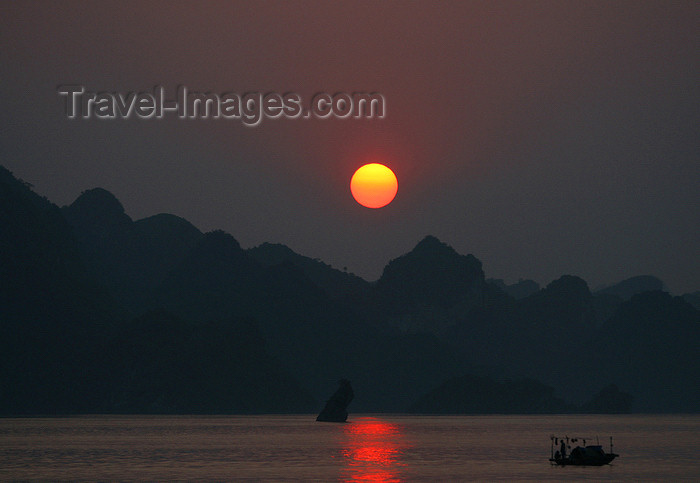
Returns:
point(369, 448)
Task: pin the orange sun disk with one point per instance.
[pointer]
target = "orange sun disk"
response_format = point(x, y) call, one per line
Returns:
point(374, 185)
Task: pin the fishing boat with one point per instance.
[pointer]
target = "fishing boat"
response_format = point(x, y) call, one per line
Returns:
point(585, 455)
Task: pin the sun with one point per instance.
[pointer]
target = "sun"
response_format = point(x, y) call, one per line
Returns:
point(374, 185)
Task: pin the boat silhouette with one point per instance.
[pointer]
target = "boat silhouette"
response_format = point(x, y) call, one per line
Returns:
point(586, 455)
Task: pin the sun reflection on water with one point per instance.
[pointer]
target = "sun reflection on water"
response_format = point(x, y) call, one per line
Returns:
point(373, 450)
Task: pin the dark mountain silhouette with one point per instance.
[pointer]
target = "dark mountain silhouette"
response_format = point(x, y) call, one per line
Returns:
point(215, 279)
point(161, 241)
point(130, 258)
point(426, 288)
point(336, 283)
point(315, 337)
point(66, 347)
point(604, 306)
point(554, 316)
point(471, 394)
point(609, 400)
point(53, 316)
point(632, 286)
point(431, 275)
point(649, 348)
point(541, 332)
point(561, 336)
point(693, 299)
point(167, 365)
point(481, 395)
point(101, 313)
point(518, 290)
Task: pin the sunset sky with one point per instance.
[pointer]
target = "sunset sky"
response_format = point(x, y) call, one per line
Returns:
point(545, 138)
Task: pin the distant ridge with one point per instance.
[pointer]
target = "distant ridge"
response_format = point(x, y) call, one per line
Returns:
point(518, 290)
point(633, 286)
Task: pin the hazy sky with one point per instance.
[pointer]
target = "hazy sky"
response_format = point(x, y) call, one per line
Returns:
point(545, 138)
